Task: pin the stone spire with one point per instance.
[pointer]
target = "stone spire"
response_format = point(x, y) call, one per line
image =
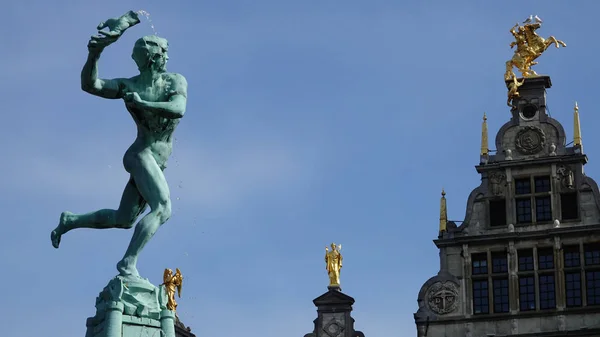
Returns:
point(484, 137)
point(577, 129)
point(443, 212)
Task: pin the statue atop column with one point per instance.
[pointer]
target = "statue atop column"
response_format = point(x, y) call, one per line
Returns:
point(156, 100)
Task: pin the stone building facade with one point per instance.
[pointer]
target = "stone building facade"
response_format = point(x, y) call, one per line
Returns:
point(526, 259)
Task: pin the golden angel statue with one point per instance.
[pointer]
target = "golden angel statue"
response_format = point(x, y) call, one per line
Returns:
point(172, 282)
point(333, 264)
point(530, 46)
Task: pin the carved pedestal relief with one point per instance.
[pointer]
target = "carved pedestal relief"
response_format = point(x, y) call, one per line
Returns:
point(566, 176)
point(469, 329)
point(442, 297)
point(334, 324)
point(514, 326)
point(530, 140)
point(497, 181)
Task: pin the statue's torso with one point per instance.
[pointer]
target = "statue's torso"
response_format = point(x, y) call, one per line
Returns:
point(155, 133)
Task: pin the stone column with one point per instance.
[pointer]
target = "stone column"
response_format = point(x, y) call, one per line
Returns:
point(167, 323)
point(113, 319)
point(333, 315)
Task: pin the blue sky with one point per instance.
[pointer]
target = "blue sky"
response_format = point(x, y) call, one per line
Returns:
point(307, 123)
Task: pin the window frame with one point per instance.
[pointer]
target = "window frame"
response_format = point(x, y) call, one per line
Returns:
point(569, 268)
point(494, 272)
point(532, 196)
point(593, 267)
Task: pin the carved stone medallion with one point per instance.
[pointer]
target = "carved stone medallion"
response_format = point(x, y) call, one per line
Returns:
point(442, 297)
point(530, 140)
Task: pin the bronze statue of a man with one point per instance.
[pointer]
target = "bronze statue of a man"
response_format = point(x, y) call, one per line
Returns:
point(156, 101)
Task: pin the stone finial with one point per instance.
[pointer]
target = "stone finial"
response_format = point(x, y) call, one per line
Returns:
point(508, 154)
point(552, 149)
point(443, 212)
point(577, 129)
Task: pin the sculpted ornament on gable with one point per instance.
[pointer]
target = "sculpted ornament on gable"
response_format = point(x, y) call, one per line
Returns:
point(442, 297)
point(566, 176)
point(497, 181)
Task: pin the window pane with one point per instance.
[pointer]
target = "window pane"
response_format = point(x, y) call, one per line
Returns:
point(542, 184)
point(526, 293)
point(479, 262)
point(525, 259)
point(592, 255)
point(569, 206)
point(592, 286)
point(498, 213)
point(523, 210)
point(522, 186)
point(573, 289)
point(545, 258)
point(501, 303)
point(480, 297)
point(571, 254)
point(547, 293)
point(543, 209)
point(499, 263)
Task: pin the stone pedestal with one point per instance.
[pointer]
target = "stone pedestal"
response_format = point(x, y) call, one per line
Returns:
point(333, 315)
point(131, 307)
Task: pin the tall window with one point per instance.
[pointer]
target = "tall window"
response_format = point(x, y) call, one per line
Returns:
point(532, 199)
point(479, 271)
point(526, 280)
point(546, 282)
point(592, 273)
point(572, 271)
point(500, 282)
point(490, 272)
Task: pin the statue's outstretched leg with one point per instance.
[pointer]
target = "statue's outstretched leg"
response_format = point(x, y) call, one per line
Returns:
point(131, 206)
point(153, 187)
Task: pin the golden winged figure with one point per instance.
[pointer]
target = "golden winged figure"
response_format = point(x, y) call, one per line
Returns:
point(333, 264)
point(172, 282)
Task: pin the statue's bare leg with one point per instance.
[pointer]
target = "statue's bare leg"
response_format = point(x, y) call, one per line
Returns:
point(131, 206)
point(153, 187)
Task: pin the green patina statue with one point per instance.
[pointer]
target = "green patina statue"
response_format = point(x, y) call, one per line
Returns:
point(156, 100)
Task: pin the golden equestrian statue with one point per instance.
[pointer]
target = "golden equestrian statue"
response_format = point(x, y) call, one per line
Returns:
point(172, 282)
point(333, 264)
point(529, 47)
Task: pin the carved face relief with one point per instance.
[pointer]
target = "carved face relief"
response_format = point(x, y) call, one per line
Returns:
point(497, 182)
point(443, 297)
point(530, 140)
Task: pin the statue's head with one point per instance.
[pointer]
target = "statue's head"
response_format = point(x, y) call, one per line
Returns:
point(150, 53)
point(333, 246)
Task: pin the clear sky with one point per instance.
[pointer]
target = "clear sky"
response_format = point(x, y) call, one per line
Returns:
point(307, 122)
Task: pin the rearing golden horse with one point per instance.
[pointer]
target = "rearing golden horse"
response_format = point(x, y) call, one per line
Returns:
point(538, 44)
point(529, 47)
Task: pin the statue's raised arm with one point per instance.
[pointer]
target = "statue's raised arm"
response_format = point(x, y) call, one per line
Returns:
point(90, 82)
